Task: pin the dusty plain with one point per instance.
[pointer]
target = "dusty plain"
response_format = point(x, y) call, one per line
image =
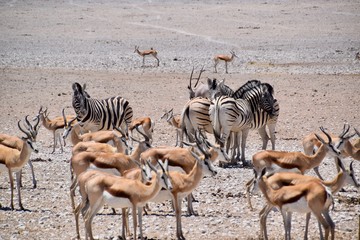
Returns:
point(304, 49)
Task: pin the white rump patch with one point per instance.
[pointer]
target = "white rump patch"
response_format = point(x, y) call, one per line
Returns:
point(116, 202)
point(113, 171)
point(300, 206)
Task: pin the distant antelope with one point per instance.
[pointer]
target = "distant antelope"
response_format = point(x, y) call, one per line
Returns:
point(224, 58)
point(144, 53)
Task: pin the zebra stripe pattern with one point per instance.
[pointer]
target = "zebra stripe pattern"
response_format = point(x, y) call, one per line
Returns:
point(229, 115)
point(101, 114)
point(264, 109)
point(195, 115)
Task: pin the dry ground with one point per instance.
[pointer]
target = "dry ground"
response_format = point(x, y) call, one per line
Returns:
point(305, 50)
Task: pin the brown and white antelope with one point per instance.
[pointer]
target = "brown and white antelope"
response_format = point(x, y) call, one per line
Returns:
point(143, 174)
point(280, 161)
point(17, 143)
point(144, 53)
point(180, 159)
point(183, 184)
point(175, 121)
point(278, 180)
point(143, 124)
point(311, 143)
point(115, 163)
point(119, 192)
point(54, 125)
point(225, 58)
point(111, 137)
point(306, 197)
point(13, 160)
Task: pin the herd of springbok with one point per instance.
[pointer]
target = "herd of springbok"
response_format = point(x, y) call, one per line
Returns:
point(124, 169)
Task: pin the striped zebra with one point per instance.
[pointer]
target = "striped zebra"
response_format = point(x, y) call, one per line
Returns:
point(228, 117)
point(262, 118)
point(251, 107)
point(97, 114)
point(195, 115)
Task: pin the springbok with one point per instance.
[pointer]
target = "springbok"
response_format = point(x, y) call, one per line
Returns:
point(13, 160)
point(144, 53)
point(224, 58)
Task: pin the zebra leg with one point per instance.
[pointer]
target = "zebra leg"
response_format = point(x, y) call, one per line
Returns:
point(264, 136)
point(271, 127)
point(244, 135)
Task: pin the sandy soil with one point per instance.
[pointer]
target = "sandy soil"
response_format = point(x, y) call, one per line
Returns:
point(306, 50)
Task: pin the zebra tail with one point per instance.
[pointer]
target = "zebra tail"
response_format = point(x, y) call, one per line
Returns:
point(185, 123)
point(216, 122)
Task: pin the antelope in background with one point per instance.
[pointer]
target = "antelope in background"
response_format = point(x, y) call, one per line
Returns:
point(54, 125)
point(175, 121)
point(144, 53)
point(224, 58)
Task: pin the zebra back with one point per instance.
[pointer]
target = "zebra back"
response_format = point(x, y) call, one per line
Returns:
point(195, 115)
point(101, 114)
point(228, 114)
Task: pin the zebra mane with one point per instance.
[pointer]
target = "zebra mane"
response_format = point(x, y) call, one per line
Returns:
point(250, 85)
point(241, 91)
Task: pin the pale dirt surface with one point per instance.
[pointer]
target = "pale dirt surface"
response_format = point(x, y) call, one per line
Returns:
point(304, 49)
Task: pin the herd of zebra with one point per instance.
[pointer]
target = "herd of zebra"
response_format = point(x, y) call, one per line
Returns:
point(213, 108)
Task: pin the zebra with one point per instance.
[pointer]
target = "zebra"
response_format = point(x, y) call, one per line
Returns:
point(223, 89)
point(262, 118)
point(195, 115)
point(228, 116)
point(95, 114)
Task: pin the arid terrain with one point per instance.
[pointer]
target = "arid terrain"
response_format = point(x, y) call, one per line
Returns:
point(305, 50)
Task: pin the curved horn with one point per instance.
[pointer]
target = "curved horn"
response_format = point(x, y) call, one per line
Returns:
point(201, 71)
point(327, 135)
point(63, 113)
point(28, 123)
point(192, 71)
point(37, 123)
point(21, 129)
point(346, 129)
point(119, 130)
point(357, 132)
point(198, 143)
point(146, 137)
